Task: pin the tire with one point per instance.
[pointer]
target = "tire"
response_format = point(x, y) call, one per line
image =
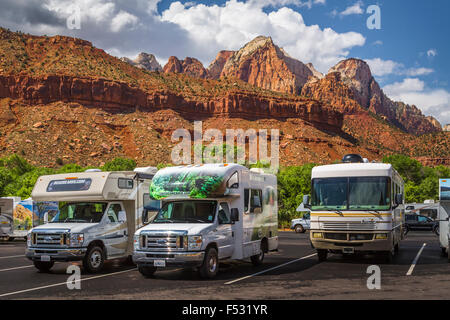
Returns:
point(210, 266)
point(443, 252)
point(43, 266)
point(94, 259)
point(10, 239)
point(258, 259)
point(322, 255)
point(147, 271)
point(397, 248)
point(436, 230)
point(299, 229)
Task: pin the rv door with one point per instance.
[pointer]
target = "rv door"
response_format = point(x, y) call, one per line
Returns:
point(115, 229)
point(225, 230)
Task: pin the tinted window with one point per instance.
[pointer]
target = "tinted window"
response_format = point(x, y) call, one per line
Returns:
point(125, 183)
point(255, 200)
point(246, 199)
point(113, 212)
point(224, 213)
point(69, 185)
point(329, 193)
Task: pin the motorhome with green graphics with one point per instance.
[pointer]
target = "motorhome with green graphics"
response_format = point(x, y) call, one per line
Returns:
point(208, 213)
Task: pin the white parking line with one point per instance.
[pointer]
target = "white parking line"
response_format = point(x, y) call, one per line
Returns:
point(16, 268)
point(270, 269)
point(20, 255)
point(64, 283)
point(411, 269)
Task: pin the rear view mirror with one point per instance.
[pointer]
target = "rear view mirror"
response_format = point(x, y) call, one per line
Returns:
point(145, 216)
point(306, 201)
point(122, 217)
point(234, 215)
point(46, 217)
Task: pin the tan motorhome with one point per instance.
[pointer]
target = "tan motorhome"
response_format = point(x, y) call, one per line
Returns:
point(98, 215)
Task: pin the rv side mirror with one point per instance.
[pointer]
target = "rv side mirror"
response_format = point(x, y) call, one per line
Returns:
point(46, 217)
point(122, 217)
point(398, 199)
point(145, 217)
point(234, 215)
point(306, 201)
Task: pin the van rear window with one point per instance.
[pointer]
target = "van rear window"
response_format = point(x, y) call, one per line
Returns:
point(69, 185)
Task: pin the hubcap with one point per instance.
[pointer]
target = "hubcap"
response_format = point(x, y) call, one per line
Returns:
point(95, 259)
point(212, 264)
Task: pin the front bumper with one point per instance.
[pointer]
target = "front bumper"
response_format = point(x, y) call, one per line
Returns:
point(373, 245)
point(172, 259)
point(68, 254)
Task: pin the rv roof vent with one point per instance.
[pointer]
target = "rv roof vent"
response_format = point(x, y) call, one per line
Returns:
point(93, 170)
point(352, 158)
point(257, 170)
point(147, 170)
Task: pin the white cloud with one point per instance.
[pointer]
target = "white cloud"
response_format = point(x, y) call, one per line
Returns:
point(123, 19)
point(380, 68)
point(378, 43)
point(432, 53)
point(214, 27)
point(354, 9)
point(435, 102)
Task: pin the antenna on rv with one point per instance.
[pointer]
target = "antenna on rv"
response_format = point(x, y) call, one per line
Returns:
point(352, 158)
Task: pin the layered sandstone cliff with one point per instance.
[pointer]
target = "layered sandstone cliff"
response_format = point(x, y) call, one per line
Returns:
point(216, 67)
point(119, 96)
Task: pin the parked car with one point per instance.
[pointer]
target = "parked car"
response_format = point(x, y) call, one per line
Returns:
point(420, 223)
point(302, 224)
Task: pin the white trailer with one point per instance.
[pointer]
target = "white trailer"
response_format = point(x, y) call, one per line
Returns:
point(100, 214)
point(356, 206)
point(444, 214)
point(209, 213)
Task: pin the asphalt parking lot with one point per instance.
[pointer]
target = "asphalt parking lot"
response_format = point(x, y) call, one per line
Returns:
point(291, 273)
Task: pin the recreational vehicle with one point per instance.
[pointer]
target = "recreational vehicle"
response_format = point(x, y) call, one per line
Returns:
point(209, 213)
point(99, 213)
point(444, 214)
point(356, 207)
point(7, 205)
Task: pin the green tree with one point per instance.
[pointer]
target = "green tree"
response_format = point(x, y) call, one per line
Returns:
point(119, 164)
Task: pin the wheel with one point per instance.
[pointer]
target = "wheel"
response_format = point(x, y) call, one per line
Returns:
point(258, 258)
point(94, 259)
point(322, 254)
point(436, 230)
point(299, 229)
point(397, 248)
point(210, 265)
point(147, 271)
point(10, 239)
point(443, 252)
point(43, 266)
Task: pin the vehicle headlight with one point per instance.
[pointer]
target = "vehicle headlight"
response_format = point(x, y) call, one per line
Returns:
point(381, 236)
point(29, 239)
point(136, 242)
point(195, 242)
point(317, 235)
point(76, 239)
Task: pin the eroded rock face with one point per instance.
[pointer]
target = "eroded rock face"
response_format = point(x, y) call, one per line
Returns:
point(119, 96)
point(144, 61)
point(261, 63)
point(356, 75)
point(216, 67)
point(189, 66)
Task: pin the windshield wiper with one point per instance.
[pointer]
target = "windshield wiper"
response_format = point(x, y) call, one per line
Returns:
point(335, 210)
point(196, 220)
point(73, 220)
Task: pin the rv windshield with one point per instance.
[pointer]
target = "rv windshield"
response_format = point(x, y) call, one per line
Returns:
point(356, 193)
point(81, 212)
point(188, 211)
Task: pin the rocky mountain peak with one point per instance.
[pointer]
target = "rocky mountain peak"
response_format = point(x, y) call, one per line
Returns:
point(145, 61)
point(189, 66)
point(216, 67)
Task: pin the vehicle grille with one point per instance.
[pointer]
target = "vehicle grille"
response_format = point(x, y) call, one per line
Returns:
point(347, 226)
point(49, 239)
point(170, 241)
point(349, 236)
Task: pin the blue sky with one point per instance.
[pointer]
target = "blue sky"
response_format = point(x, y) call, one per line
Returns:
point(408, 55)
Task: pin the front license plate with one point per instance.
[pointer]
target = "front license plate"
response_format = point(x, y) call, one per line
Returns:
point(45, 258)
point(159, 263)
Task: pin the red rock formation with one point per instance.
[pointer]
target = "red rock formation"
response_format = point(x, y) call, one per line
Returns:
point(119, 96)
point(356, 75)
point(216, 67)
point(261, 63)
point(189, 66)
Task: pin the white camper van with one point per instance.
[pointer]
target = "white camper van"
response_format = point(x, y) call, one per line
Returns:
point(100, 214)
point(444, 214)
point(7, 205)
point(209, 213)
point(356, 206)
